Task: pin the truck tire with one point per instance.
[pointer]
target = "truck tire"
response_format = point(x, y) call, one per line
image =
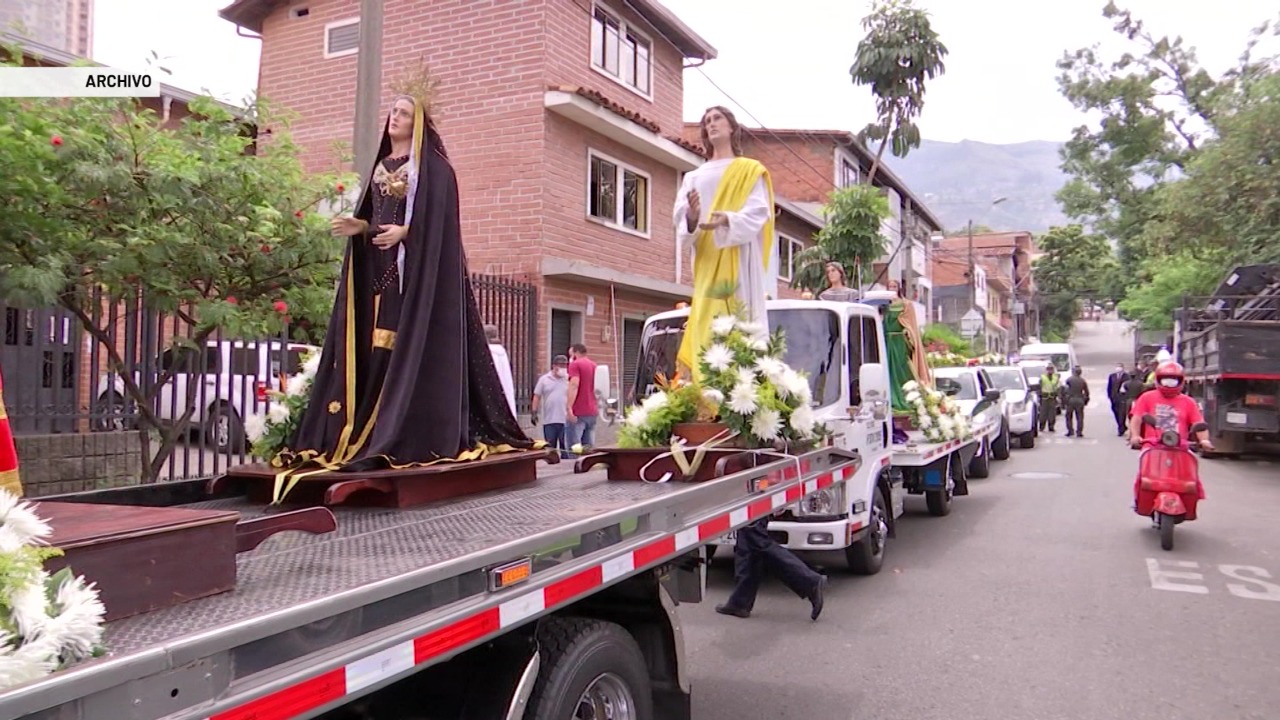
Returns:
point(1027, 441)
point(980, 465)
point(938, 502)
point(592, 670)
point(1000, 448)
point(866, 556)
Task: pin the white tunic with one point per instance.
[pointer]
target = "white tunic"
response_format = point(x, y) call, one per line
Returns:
point(745, 232)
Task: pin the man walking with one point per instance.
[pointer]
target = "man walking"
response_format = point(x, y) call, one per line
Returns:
point(581, 417)
point(1115, 393)
point(1050, 384)
point(551, 402)
point(1075, 393)
point(753, 550)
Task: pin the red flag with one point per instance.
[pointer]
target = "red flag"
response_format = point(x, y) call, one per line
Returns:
point(8, 453)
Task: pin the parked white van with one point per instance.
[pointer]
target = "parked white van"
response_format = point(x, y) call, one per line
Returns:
point(1062, 355)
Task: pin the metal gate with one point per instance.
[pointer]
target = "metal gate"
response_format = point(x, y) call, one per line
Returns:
point(41, 364)
point(513, 307)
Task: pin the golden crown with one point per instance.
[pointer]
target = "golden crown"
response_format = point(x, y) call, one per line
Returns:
point(418, 83)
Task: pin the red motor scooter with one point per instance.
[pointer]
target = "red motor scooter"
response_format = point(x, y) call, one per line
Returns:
point(1168, 485)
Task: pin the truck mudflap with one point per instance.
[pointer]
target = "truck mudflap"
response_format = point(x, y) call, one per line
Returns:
point(197, 676)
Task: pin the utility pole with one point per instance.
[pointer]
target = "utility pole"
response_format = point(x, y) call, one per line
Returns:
point(368, 87)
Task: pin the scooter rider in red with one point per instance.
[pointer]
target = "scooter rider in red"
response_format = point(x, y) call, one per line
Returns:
point(1171, 409)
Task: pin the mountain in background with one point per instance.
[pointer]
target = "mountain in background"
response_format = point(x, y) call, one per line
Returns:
point(958, 181)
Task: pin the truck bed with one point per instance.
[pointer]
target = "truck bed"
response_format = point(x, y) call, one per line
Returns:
point(372, 545)
point(1226, 348)
point(918, 452)
point(300, 597)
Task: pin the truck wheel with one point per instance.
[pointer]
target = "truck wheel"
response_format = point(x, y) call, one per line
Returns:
point(593, 670)
point(1000, 448)
point(1027, 441)
point(224, 431)
point(866, 556)
point(980, 465)
point(939, 502)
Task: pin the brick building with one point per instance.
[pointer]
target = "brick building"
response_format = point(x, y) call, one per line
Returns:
point(807, 165)
point(1008, 258)
point(562, 119)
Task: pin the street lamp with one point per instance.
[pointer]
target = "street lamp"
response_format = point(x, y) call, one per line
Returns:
point(973, 288)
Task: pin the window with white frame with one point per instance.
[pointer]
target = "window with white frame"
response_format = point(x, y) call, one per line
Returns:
point(788, 248)
point(620, 52)
point(342, 38)
point(848, 172)
point(617, 194)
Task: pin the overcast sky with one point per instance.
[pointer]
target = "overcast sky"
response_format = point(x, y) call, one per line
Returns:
point(785, 63)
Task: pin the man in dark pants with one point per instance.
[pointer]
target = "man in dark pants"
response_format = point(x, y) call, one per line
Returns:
point(1115, 393)
point(1075, 394)
point(1050, 387)
point(755, 549)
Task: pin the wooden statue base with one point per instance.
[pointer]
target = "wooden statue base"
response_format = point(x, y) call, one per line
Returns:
point(396, 488)
point(629, 463)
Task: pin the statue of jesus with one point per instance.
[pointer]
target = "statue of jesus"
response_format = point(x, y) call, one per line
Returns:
point(724, 209)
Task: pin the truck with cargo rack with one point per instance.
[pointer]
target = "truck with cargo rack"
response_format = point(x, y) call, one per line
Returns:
point(841, 347)
point(1229, 346)
point(549, 600)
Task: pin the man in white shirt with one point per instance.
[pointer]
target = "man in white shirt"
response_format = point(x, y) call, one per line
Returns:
point(503, 364)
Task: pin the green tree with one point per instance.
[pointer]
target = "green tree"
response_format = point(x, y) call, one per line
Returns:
point(898, 54)
point(1075, 265)
point(1151, 304)
point(850, 236)
point(199, 221)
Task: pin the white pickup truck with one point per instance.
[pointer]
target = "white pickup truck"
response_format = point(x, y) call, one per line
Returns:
point(841, 347)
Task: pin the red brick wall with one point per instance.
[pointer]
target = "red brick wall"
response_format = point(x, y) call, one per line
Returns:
point(787, 224)
point(808, 178)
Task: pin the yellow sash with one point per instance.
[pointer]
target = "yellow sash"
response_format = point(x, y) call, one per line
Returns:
point(715, 267)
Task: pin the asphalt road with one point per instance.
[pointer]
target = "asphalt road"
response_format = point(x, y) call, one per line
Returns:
point(1036, 599)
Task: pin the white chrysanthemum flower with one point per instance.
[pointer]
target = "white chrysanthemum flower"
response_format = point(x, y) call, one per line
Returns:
point(20, 522)
point(297, 385)
point(910, 385)
point(638, 417)
point(77, 618)
point(723, 325)
point(713, 395)
point(758, 344)
point(766, 424)
point(255, 426)
point(751, 329)
point(945, 423)
point(32, 661)
point(30, 605)
point(278, 413)
point(794, 385)
point(742, 399)
point(925, 422)
point(746, 376)
point(311, 365)
point(772, 368)
point(718, 357)
point(912, 396)
point(654, 401)
point(803, 421)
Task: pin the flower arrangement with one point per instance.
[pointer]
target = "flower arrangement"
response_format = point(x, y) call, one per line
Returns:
point(945, 358)
point(746, 386)
point(46, 621)
point(937, 415)
point(992, 359)
point(269, 433)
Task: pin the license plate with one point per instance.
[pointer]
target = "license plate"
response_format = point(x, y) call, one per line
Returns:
point(1236, 418)
point(730, 537)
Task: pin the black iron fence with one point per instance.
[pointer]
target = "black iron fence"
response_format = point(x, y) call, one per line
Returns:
point(65, 377)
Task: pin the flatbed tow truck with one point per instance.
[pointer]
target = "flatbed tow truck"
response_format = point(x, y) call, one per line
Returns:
point(841, 347)
point(547, 601)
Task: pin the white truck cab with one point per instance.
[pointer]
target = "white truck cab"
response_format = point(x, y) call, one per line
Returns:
point(840, 346)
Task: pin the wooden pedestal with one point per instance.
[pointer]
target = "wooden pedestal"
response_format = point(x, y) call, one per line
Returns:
point(144, 558)
point(407, 487)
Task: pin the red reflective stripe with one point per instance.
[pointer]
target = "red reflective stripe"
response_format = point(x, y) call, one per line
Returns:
point(794, 494)
point(712, 528)
point(558, 592)
point(655, 550)
point(760, 508)
point(456, 635)
point(292, 701)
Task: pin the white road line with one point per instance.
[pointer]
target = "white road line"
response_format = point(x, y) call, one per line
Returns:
point(1164, 579)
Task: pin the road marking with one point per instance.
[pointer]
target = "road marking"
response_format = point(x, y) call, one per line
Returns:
point(1069, 441)
point(1270, 591)
point(1164, 579)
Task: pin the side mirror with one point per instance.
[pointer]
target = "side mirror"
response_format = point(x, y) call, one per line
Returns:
point(993, 395)
point(873, 383)
point(1199, 427)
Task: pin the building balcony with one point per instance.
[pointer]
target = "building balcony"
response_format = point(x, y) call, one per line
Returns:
point(598, 114)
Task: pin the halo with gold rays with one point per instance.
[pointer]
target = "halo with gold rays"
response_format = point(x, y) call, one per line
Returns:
point(418, 82)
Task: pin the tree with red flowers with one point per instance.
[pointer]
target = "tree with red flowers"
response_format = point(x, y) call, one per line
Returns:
point(203, 222)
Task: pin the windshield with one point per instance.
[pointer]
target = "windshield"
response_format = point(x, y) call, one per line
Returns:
point(968, 388)
point(1033, 372)
point(1006, 378)
point(813, 348)
point(1062, 361)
